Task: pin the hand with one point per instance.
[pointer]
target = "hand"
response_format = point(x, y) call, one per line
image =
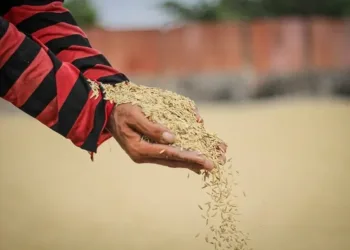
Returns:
point(128, 124)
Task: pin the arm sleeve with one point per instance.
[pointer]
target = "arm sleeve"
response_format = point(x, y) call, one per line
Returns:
point(56, 93)
point(51, 23)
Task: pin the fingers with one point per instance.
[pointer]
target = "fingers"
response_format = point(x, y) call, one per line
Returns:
point(162, 152)
point(128, 124)
point(177, 164)
point(153, 131)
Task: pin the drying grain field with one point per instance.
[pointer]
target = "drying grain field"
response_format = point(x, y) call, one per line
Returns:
point(294, 162)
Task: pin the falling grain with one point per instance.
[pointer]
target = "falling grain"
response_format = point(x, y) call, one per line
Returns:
point(177, 113)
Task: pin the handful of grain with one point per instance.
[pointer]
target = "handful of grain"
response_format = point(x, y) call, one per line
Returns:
point(177, 113)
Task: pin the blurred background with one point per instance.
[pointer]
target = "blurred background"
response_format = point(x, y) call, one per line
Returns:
point(271, 77)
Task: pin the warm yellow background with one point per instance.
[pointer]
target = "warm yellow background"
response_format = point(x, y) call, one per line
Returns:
point(293, 156)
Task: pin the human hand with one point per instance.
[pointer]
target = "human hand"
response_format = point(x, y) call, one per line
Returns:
point(128, 124)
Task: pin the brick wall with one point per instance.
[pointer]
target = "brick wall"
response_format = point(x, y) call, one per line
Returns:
point(264, 47)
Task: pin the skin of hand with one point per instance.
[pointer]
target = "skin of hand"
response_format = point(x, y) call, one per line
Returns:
point(128, 124)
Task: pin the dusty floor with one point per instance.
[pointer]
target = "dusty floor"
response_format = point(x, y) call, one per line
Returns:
point(293, 156)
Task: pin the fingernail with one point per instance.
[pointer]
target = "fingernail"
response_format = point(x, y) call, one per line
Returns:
point(168, 137)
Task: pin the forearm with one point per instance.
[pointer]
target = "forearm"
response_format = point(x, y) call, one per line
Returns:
point(33, 79)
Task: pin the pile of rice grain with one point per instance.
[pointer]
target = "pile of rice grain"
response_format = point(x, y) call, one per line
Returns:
point(176, 112)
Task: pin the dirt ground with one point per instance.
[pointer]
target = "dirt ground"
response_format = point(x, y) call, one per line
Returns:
point(294, 163)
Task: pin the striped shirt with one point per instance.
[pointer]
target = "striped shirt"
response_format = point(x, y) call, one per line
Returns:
point(45, 60)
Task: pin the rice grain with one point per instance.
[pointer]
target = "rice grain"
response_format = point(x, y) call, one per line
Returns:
point(177, 113)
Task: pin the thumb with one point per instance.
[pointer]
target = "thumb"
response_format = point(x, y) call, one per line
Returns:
point(153, 131)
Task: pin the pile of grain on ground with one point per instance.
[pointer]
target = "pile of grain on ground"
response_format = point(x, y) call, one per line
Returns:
point(177, 113)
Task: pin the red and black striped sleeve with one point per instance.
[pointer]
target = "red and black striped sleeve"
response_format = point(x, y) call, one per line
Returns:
point(51, 23)
point(56, 93)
